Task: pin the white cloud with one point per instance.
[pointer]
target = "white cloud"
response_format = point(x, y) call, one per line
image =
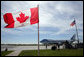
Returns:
point(46, 16)
point(55, 14)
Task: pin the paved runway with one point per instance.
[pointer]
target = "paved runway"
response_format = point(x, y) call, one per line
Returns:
point(24, 47)
point(18, 49)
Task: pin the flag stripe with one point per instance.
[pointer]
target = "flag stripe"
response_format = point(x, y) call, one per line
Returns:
point(10, 26)
point(8, 18)
point(34, 15)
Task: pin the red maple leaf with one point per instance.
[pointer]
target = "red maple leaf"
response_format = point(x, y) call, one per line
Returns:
point(22, 18)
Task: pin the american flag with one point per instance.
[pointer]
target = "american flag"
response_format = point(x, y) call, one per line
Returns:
point(72, 23)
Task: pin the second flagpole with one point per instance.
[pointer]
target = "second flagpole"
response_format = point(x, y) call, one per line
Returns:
point(76, 30)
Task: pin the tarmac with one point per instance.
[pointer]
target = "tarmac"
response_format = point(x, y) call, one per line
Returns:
point(17, 50)
point(15, 53)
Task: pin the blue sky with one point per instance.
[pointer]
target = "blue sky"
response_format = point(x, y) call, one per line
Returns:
point(55, 18)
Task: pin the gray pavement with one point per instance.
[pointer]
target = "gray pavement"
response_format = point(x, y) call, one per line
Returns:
point(24, 48)
point(18, 49)
point(15, 53)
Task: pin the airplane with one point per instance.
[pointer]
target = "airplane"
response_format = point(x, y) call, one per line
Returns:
point(58, 43)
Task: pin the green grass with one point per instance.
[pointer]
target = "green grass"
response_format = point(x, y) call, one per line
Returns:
point(3, 53)
point(64, 52)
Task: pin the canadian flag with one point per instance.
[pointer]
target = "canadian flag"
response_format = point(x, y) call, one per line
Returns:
point(21, 18)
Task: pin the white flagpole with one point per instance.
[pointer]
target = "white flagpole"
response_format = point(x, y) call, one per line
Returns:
point(76, 30)
point(38, 31)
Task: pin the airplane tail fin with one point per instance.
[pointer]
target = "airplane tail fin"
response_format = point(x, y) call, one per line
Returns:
point(73, 38)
